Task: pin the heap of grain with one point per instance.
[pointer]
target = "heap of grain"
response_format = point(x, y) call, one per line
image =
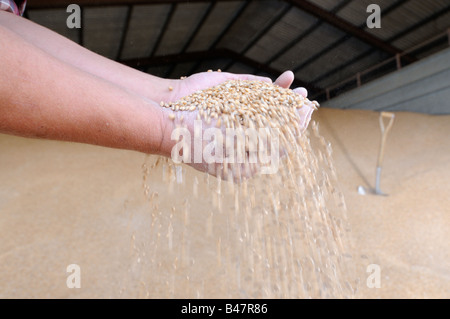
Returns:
point(277, 235)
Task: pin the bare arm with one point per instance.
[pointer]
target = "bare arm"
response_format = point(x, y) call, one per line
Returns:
point(149, 86)
point(41, 96)
point(144, 84)
point(52, 88)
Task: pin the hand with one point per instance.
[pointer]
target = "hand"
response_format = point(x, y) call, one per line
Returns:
point(285, 80)
point(205, 80)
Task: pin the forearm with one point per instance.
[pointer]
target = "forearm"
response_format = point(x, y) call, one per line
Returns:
point(147, 85)
point(41, 96)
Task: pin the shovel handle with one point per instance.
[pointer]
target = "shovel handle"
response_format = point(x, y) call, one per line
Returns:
point(384, 132)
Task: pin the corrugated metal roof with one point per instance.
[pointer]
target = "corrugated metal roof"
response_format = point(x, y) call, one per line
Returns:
point(327, 4)
point(356, 11)
point(159, 70)
point(255, 17)
point(282, 33)
point(423, 33)
point(183, 68)
point(103, 28)
point(314, 42)
point(340, 54)
point(216, 22)
point(145, 25)
point(54, 19)
point(184, 20)
point(263, 37)
point(240, 68)
point(351, 70)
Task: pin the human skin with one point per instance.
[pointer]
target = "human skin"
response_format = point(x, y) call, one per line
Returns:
point(52, 88)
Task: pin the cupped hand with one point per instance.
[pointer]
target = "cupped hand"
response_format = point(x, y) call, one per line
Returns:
point(204, 80)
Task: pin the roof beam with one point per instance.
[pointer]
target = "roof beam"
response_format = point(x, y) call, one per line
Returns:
point(164, 28)
point(194, 34)
point(343, 66)
point(199, 25)
point(173, 58)
point(230, 24)
point(263, 32)
point(45, 4)
point(213, 54)
point(80, 30)
point(267, 28)
point(304, 5)
point(395, 37)
point(304, 34)
point(321, 53)
point(124, 32)
point(261, 67)
point(421, 23)
point(345, 38)
point(222, 34)
point(345, 26)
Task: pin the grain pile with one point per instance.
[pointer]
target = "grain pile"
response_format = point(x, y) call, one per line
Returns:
point(280, 235)
point(247, 103)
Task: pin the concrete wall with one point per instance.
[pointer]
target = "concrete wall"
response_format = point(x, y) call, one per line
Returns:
point(421, 87)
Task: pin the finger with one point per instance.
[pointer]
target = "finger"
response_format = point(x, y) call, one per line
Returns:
point(302, 91)
point(285, 80)
point(305, 113)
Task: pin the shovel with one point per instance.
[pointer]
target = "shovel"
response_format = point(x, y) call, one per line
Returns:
point(384, 132)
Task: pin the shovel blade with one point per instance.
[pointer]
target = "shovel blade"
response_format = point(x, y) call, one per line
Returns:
point(368, 191)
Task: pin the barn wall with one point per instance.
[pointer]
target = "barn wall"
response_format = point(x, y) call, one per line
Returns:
point(421, 87)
